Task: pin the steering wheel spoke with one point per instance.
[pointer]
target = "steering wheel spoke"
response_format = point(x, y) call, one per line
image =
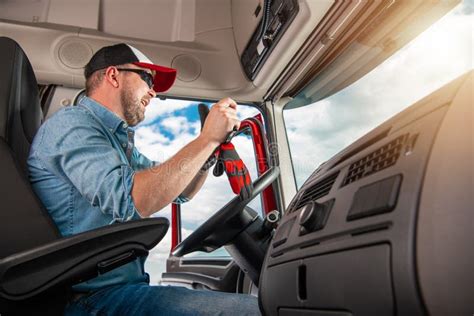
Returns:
point(228, 222)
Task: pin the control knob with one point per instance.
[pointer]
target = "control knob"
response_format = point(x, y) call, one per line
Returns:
point(310, 217)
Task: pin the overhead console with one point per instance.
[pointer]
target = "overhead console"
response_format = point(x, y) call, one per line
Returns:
point(268, 34)
point(276, 17)
point(385, 226)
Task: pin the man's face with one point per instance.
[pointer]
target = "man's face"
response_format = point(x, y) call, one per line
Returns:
point(135, 97)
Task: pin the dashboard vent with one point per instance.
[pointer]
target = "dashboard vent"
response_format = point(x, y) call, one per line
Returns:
point(315, 191)
point(379, 159)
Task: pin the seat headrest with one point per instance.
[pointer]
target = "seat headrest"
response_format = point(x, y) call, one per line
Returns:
point(20, 110)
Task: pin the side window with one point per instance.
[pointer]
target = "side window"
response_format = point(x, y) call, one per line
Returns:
point(168, 126)
point(54, 97)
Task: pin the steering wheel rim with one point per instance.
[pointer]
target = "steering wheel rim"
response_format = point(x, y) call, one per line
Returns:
point(209, 236)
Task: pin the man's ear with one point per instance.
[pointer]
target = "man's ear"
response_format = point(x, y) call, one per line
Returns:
point(111, 74)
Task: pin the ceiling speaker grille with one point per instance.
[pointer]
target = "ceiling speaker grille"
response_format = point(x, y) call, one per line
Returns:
point(189, 68)
point(75, 54)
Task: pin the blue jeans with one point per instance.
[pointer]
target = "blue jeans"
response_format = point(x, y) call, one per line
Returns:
point(143, 299)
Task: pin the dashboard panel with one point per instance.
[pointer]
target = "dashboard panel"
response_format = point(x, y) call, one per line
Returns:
point(355, 239)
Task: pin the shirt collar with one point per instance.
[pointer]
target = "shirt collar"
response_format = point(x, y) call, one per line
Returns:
point(111, 120)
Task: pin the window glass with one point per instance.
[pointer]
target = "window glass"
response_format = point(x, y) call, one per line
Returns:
point(168, 126)
point(318, 131)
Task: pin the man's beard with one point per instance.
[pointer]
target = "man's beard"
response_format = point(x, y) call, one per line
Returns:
point(132, 108)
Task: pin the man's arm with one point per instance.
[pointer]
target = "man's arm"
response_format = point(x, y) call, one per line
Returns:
point(155, 188)
point(141, 162)
point(195, 185)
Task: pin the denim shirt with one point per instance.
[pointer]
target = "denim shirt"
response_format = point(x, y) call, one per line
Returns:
point(81, 166)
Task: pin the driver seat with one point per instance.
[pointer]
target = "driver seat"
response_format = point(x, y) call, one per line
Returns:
point(37, 265)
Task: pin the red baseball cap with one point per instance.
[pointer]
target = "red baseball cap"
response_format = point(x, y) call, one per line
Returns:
point(126, 54)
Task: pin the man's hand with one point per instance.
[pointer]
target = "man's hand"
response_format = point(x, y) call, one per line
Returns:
point(220, 121)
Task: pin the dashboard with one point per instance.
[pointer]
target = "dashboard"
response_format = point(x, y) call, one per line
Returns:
point(383, 228)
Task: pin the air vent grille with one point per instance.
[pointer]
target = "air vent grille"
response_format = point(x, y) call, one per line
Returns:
point(379, 159)
point(316, 191)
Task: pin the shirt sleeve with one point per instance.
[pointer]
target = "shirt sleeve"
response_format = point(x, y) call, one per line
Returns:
point(83, 155)
point(141, 162)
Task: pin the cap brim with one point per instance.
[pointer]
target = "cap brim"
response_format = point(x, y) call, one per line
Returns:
point(164, 77)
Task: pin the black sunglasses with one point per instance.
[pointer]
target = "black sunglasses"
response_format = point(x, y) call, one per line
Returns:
point(146, 76)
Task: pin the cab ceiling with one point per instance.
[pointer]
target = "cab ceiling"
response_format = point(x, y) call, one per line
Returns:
point(328, 45)
point(203, 39)
point(159, 20)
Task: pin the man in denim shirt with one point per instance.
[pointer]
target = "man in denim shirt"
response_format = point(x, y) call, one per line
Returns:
point(85, 169)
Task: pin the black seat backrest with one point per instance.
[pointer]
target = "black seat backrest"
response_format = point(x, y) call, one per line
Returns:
point(20, 111)
point(24, 223)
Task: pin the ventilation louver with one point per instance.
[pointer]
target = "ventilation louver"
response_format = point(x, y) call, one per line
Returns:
point(315, 191)
point(379, 159)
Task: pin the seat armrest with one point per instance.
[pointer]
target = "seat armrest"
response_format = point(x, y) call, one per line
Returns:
point(77, 258)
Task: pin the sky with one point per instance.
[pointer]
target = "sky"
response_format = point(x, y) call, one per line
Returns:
point(440, 54)
point(437, 56)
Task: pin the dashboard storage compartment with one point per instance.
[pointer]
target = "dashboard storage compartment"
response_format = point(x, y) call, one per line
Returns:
point(351, 282)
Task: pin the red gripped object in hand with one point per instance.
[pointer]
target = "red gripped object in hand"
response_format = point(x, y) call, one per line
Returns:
point(228, 160)
point(239, 177)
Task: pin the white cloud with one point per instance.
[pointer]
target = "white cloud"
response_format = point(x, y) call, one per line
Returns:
point(244, 112)
point(175, 124)
point(157, 146)
point(148, 137)
point(159, 107)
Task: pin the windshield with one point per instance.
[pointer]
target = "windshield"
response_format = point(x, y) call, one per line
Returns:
point(439, 55)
